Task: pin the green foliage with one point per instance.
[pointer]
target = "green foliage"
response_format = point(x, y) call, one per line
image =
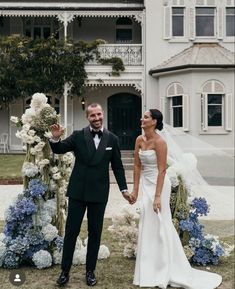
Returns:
point(28, 66)
point(116, 62)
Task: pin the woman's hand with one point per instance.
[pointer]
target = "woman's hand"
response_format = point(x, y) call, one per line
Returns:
point(57, 131)
point(157, 204)
point(133, 198)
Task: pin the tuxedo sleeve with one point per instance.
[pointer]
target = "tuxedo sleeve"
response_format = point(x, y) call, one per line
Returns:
point(117, 166)
point(64, 146)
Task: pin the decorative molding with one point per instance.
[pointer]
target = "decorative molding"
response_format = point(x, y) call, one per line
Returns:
point(137, 15)
point(66, 17)
point(131, 54)
point(105, 83)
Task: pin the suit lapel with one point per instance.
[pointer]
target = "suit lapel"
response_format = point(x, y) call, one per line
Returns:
point(101, 148)
point(90, 143)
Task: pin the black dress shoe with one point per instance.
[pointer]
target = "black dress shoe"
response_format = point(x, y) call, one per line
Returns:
point(63, 278)
point(90, 278)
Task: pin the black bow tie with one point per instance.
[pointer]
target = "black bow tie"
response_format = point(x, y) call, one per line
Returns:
point(99, 133)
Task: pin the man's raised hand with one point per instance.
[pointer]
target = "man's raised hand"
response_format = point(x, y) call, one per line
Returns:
point(57, 131)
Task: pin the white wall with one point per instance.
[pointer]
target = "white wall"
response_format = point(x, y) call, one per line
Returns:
point(192, 83)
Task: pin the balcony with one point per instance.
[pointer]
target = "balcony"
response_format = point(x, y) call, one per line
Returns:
point(131, 54)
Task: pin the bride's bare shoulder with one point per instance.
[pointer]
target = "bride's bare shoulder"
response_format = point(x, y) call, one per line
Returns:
point(159, 141)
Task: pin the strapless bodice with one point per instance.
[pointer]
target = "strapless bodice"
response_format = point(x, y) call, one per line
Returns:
point(148, 159)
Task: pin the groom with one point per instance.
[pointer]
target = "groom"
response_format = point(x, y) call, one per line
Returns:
point(94, 148)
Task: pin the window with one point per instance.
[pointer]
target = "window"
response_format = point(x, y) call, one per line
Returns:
point(205, 18)
point(124, 30)
point(177, 111)
point(39, 27)
point(230, 21)
point(217, 115)
point(177, 22)
point(53, 101)
point(215, 109)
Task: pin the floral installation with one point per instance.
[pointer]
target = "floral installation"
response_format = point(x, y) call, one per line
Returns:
point(34, 223)
point(199, 248)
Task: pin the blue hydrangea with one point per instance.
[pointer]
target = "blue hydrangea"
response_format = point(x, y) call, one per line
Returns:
point(201, 207)
point(21, 209)
point(18, 245)
point(186, 225)
point(202, 256)
point(37, 188)
point(10, 260)
point(59, 241)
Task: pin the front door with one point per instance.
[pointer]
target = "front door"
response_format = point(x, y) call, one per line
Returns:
point(124, 112)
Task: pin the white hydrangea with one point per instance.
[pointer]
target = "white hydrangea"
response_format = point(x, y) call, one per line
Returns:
point(14, 119)
point(57, 256)
point(38, 102)
point(28, 116)
point(31, 132)
point(104, 252)
point(49, 232)
point(42, 259)
point(29, 169)
point(50, 207)
point(44, 219)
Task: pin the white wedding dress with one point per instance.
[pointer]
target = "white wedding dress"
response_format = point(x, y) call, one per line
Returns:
point(160, 259)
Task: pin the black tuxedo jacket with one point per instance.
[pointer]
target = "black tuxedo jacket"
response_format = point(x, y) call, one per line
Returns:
point(89, 180)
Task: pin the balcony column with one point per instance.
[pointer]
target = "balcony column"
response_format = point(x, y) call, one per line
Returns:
point(65, 18)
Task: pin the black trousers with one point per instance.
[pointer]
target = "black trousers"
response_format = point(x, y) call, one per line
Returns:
point(95, 217)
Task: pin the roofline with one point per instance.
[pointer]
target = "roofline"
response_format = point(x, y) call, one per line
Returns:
point(189, 66)
point(69, 6)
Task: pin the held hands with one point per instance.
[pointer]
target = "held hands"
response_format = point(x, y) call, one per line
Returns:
point(157, 204)
point(57, 131)
point(129, 197)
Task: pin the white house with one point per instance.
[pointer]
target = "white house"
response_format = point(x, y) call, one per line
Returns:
point(178, 57)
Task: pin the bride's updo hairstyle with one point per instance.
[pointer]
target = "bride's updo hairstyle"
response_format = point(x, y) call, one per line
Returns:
point(156, 114)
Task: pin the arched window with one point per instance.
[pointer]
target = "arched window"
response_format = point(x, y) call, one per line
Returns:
point(213, 105)
point(124, 30)
point(177, 103)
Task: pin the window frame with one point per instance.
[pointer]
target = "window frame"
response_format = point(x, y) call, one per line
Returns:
point(176, 106)
point(184, 21)
point(206, 15)
point(222, 111)
point(225, 21)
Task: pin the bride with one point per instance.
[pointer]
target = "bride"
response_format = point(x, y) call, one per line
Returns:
point(160, 259)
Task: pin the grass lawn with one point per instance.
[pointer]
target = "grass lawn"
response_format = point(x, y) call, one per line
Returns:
point(11, 165)
point(116, 272)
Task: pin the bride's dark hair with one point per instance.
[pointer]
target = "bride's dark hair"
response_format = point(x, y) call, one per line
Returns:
point(156, 114)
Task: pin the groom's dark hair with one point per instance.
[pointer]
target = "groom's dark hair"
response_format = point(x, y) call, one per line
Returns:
point(156, 114)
